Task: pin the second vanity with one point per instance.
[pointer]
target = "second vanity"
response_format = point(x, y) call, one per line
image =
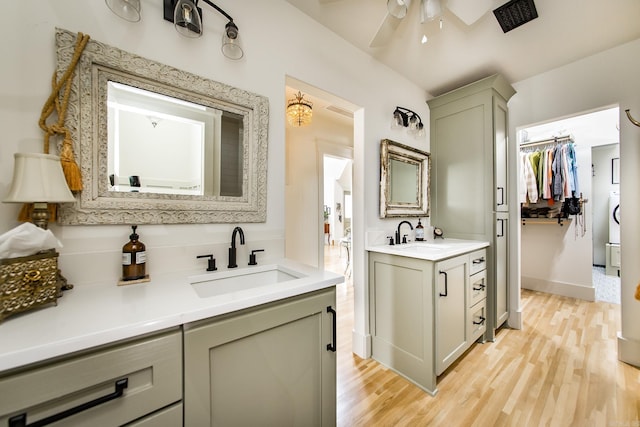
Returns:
point(245, 346)
point(427, 304)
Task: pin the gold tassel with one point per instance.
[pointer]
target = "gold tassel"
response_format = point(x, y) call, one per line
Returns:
point(70, 167)
point(638, 293)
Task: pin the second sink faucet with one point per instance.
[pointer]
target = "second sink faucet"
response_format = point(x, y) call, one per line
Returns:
point(398, 232)
point(232, 249)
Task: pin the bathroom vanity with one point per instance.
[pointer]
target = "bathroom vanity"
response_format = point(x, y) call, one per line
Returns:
point(427, 305)
point(245, 346)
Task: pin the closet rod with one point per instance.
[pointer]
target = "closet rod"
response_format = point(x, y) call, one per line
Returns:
point(548, 141)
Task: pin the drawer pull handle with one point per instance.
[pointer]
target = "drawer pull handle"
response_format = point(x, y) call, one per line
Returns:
point(332, 346)
point(478, 260)
point(480, 286)
point(479, 322)
point(21, 420)
point(446, 284)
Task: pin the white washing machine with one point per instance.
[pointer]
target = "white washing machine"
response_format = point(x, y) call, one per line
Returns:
point(614, 217)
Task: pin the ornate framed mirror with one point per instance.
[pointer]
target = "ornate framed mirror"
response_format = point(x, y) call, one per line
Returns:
point(156, 144)
point(404, 180)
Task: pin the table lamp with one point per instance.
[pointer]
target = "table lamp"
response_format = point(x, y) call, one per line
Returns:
point(38, 179)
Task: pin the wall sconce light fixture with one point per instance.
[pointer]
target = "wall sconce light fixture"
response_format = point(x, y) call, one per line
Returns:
point(187, 19)
point(129, 10)
point(403, 117)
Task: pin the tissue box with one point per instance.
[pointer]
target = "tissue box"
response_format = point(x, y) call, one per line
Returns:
point(28, 282)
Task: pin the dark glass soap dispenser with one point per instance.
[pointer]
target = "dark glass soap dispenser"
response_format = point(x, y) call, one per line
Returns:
point(134, 258)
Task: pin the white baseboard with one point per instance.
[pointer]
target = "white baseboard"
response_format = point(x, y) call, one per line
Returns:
point(515, 319)
point(361, 344)
point(587, 293)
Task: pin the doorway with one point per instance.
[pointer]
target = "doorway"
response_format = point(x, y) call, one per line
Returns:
point(337, 180)
point(565, 257)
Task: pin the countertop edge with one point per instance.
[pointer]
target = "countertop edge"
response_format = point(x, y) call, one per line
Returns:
point(30, 342)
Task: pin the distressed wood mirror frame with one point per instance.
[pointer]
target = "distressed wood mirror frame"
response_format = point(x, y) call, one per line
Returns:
point(87, 121)
point(404, 180)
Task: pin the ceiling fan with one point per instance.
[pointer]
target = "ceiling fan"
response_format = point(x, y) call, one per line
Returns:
point(469, 11)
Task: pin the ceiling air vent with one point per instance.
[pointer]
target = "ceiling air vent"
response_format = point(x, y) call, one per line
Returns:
point(515, 13)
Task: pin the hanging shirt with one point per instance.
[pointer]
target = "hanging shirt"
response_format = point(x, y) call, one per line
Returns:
point(573, 169)
point(557, 181)
point(522, 187)
point(530, 179)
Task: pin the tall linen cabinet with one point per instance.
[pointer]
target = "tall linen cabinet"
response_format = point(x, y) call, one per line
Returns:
point(469, 178)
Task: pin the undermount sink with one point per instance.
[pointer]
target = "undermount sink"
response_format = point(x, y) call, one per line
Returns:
point(224, 282)
point(422, 247)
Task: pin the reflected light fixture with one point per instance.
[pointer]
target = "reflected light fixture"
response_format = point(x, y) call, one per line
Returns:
point(129, 10)
point(299, 110)
point(403, 117)
point(38, 179)
point(398, 8)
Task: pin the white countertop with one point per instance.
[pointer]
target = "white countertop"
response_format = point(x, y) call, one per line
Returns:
point(433, 250)
point(102, 313)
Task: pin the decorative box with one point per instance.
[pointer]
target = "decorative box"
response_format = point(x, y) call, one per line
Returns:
point(28, 282)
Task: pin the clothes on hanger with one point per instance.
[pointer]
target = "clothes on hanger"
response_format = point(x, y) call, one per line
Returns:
point(549, 173)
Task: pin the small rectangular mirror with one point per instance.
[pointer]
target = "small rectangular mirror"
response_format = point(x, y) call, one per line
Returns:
point(404, 180)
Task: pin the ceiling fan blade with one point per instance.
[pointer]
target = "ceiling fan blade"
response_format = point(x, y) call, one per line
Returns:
point(469, 11)
point(385, 31)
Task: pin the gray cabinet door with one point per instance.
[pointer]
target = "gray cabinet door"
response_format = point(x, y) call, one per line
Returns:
point(269, 366)
point(450, 296)
point(401, 307)
point(500, 154)
point(501, 270)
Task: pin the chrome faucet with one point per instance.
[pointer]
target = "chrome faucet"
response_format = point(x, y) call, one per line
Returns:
point(404, 240)
point(232, 249)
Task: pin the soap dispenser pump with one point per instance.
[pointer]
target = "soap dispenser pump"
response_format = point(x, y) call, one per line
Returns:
point(134, 258)
point(419, 232)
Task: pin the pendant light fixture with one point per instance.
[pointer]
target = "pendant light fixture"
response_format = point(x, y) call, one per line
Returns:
point(299, 111)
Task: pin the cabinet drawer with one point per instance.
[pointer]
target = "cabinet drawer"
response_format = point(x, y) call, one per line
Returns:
point(477, 261)
point(477, 287)
point(171, 416)
point(152, 367)
point(477, 320)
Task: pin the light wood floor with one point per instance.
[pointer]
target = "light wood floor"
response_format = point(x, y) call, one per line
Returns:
point(561, 369)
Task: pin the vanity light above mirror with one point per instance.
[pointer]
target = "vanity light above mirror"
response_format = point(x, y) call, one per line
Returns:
point(117, 101)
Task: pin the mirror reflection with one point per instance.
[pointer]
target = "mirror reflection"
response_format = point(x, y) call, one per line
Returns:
point(160, 144)
point(404, 180)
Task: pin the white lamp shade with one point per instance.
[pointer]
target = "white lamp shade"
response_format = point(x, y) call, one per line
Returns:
point(38, 178)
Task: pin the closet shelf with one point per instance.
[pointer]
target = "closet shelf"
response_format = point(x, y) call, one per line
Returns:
point(556, 221)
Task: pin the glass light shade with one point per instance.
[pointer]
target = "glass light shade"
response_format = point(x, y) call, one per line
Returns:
point(397, 122)
point(128, 10)
point(231, 42)
point(299, 111)
point(38, 178)
point(398, 8)
point(186, 19)
point(432, 9)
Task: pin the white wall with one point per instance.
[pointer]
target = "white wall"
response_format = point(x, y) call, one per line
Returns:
point(608, 78)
